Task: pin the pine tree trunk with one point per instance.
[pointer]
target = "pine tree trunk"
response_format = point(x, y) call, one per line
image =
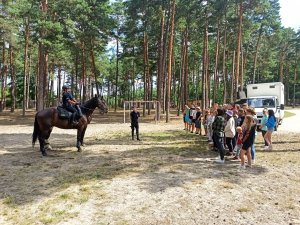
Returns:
point(172, 28)
point(28, 82)
point(160, 70)
point(59, 86)
point(13, 79)
point(42, 89)
point(3, 79)
point(205, 79)
point(94, 68)
point(51, 84)
point(76, 75)
point(117, 73)
point(256, 53)
point(232, 80)
point(46, 90)
point(146, 72)
point(216, 74)
point(182, 74)
point(186, 67)
point(83, 72)
point(286, 83)
point(25, 70)
point(295, 80)
point(281, 61)
point(41, 78)
point(224, 64)
point(238, 52)
point(164, 67)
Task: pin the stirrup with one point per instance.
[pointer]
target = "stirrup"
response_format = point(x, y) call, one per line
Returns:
point(74, 123)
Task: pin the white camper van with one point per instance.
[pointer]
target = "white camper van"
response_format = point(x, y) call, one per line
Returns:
point(267, 95)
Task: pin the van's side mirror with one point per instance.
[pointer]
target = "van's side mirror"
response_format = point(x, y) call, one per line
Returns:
point(282, 106)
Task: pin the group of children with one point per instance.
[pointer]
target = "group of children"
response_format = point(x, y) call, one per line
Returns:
point(232, 126)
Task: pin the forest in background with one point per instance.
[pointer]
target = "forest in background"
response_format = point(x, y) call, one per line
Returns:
point(172, 51)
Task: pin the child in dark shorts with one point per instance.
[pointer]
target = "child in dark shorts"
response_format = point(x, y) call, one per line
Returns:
point(198, 121)
point(249, 128)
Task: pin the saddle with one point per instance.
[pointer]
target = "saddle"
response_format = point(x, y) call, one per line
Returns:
point(63, 113)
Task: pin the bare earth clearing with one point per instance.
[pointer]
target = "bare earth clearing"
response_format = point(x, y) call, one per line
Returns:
point(168, 178)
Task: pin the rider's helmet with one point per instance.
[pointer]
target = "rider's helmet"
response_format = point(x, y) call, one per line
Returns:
point(64, 87)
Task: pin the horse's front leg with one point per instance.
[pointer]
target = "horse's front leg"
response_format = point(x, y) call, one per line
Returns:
point(78, 145)
point(47, 145)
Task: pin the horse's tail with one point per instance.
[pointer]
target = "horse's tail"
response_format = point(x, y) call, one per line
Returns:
point(36, 131)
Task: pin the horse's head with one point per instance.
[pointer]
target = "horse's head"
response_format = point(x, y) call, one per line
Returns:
point(101, 104)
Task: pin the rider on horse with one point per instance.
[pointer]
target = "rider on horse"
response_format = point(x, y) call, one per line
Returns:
point(70, 104)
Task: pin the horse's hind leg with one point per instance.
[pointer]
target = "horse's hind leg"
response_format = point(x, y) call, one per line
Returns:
point(42, 145)
point(47, 143)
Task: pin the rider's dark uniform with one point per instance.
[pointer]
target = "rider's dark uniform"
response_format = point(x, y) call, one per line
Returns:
point(66, 97)
point(74, 109)
point(134, 116)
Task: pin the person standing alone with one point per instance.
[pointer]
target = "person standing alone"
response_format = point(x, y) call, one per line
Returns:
point(134, 117)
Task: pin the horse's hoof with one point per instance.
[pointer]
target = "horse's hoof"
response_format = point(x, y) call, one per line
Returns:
point(44, 154)
point(79, 149)
point(48, 147)
point(83, 145)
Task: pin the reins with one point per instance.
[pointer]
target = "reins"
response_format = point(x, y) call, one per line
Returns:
point(90, 109)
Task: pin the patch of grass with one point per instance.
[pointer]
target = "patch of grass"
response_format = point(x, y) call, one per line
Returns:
point(243, 209)
point(227, 185)
point(47, 220)
point(198, 181)
point(290, 206)
point(59, 213)
point(9, 200)
point(171, 170)
point(288, 114)
point(64, 196)
point(83, 199)
point(84, 189)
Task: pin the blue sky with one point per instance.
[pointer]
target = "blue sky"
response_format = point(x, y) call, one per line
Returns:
point(290, 14)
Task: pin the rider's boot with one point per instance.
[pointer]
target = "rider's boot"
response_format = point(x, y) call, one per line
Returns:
point(79, 111)
point(73, 122)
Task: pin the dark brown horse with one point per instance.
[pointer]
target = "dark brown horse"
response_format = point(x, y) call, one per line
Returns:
point(48, 118)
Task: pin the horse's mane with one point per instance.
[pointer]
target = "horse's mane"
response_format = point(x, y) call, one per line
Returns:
point(89, 105)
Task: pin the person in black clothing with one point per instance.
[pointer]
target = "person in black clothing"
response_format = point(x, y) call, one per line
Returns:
point(134, 117)
point(218, 134)
point(70, 104)
point(198, 121)
point(249, 129)
point(241, 117)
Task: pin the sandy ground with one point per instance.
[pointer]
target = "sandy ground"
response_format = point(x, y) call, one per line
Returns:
point(170, 177)
point(291, 124)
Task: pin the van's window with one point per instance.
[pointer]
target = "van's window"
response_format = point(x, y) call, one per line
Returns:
point(261, 102)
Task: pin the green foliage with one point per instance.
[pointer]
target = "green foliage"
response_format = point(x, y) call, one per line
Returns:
point(67, 25)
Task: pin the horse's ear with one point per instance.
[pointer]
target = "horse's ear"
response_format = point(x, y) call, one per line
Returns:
point(101, 97)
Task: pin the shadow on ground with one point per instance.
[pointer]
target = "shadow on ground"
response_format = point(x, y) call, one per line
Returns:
point(161, 160)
